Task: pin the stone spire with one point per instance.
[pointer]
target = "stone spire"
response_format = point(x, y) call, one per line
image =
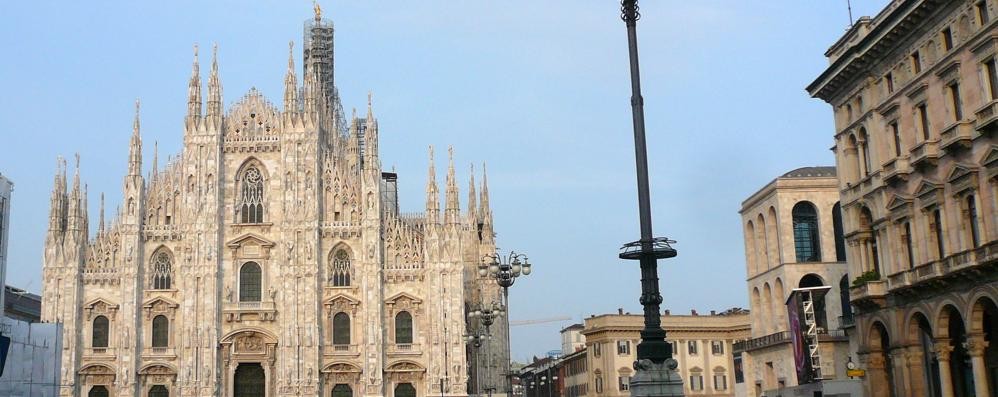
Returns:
point(484, 211)
point(432, 194)
point(452, 212)
point(135, 146)
point(74, 219)
point(310, 89)
point(155, 161)
point(194, 90)
point(371, 136)
point(57, 211)
point(472, 200)
point(214, 87)
point(100, 224)
point(291, 83)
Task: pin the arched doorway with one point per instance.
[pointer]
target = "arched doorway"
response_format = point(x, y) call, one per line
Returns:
point(249, 381)
point(926, 373)
point(342, 390)
point(961, 374)
point(159, 391)
point(405, 390)
point(98, 391)
point(984, 332)
point(881, 367)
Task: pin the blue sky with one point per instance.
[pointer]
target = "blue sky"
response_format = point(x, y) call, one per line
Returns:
point(539, 90)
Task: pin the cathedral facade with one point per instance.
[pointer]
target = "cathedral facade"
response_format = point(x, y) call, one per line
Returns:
point(268, 258)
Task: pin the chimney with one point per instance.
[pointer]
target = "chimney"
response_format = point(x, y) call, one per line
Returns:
point(694, 312)
point(713, 313)
point(668, 312)
point(620, 311)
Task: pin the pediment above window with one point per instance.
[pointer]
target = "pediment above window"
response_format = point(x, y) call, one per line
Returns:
point(159, 305)
point(403, 301)
point(341, 303)
point(962, 178)
point(250, 246)
point(98, 307)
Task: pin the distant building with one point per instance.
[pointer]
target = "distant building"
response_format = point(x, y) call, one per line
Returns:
point(702, 344)
point(793, 239)
point(914, 93)
point(6, 188)
point(572, 339)
point(32, 368)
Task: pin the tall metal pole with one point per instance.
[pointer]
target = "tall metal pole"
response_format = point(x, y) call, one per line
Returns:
point(653, 346)
point(509, 349)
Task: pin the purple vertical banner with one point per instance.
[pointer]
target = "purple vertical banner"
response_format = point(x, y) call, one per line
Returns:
point(802, 359)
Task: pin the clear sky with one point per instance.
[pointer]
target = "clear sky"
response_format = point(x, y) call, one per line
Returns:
point(538, 89)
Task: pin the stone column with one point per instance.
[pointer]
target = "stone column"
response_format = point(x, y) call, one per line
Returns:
point(976, 346)
point(943, 350)
point(916, 374)
point(902, 376)
point(876, 374)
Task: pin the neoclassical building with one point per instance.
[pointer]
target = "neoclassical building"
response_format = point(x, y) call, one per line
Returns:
point(794, 239)
point(915, 97)
point(268, 258)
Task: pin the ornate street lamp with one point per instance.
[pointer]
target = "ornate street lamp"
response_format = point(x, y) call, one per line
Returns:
point(487, 316)
point(475, 339)
point(654, 358)
point(505, 269)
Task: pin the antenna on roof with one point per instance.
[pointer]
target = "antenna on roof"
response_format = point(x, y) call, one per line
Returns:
point(849, 7)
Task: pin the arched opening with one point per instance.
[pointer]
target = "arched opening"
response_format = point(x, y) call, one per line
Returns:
point(763, 242)
point(341, 329)
point(813, 280)
point(251, 196)
point(844, 301)
point(160, 331)
point(403, 328)
point(840, 241)
point(339, 270)
point(250, 284)
point(866, 225)
point(342, 390)
point(920, 334)
point(806, 241)
point(162, 270)
point(779, 310)
point(881, 379)
point(984, 327)
point(767, 306)
point(100, 332)
point(98, 391)
point(864, 145)
point(852, 153)
point(750, 249)
point(961, 373)
point(405, 390)
point(159, 391)
point(249, 381)
point(757, 306)
point(772, 238)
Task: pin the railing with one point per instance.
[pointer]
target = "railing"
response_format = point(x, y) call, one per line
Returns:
point(847, 321)
point(959, 132)
point(404, 348)
point(896, 168)
point(762, 341)
point(868, 290)
point(343, 350)
point(898, 280)
point(927, 270)
point(99, 351)
point(924, 151)
point(986, 115)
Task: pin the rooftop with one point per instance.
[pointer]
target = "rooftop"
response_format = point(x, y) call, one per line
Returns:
point(811, 172)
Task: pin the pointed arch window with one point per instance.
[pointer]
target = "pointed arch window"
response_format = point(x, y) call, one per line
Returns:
point(162, 271)
point(806, 232)
point(339, 272)
point(251, 196)
point(250, 286)
point(341, 329)
point(160, 331)
point(101, 329)
point(403, 328)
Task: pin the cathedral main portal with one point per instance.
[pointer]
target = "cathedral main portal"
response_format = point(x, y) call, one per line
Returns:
point(249, 381)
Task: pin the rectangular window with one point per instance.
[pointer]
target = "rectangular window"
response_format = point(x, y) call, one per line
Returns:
point(889, 81)
point(623, 347)
point(947, 39)
point(956, 106)
point(907, 243)
point(696, 382)
point(923, 120)
point(991, 69)
point(916, 62)
point(982, 12)
point(596, 350)
point(896, 133)
point(720, 382)
point(717, 347)
point(975, 237)
point(692, 347)
point(625, 383)
point(937, 228)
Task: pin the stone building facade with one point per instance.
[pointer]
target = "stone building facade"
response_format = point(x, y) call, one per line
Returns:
point(702, 344)
point(267, 258)
point(793, 239)
point(915, 97)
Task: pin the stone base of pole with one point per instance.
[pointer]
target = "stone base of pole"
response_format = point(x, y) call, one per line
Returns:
point(656, 380)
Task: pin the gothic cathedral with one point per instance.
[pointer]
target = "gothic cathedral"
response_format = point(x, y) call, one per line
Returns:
point(269, 258)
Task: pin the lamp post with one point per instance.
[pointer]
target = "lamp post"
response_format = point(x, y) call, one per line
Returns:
point(654, 367)
point(487, 315)
point(505, 269)
point(475, 339)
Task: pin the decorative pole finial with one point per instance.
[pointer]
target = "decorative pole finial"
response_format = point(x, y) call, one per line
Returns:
point(318, 10)
point(629, 11)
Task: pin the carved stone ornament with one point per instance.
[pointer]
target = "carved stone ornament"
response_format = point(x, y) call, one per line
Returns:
point(250, 343)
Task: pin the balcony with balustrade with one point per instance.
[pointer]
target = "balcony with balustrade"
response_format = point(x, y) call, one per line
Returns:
point(404, 349)
point(869, 293)
point(896, 170)
point(342, 350)
point(987, 117)
point(159, 353)
point(957, 137)
point(925, 154)
point(100, 353)
point(950, 270)
point(242, 311)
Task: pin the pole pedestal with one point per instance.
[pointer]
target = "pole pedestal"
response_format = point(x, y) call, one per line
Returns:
point(656, 380)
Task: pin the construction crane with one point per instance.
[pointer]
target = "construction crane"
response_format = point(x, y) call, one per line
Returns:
point(516, 323)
